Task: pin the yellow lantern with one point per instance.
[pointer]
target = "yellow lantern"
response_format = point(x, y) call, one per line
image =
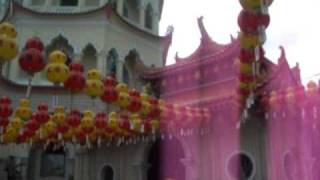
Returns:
point(16, 123)
point(8, 30)
point(24, 111)
point(248, 41)
point(57, 71)
point(10, 135)
point(69, 134)
point(246, 68)
point(94, 86)
point(49, 127)
point(121, 87)
point(254, 4)
point(59, 115)
point(87, 120)
point(113, 120)
point(8, 48)
point(145, 108)
point(124, 99)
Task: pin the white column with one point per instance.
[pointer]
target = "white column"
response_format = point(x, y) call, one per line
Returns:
point(26, 2)
point(81, 4)
point(142, 15)
point(119, 6)
point(48, 4)
point(155, 22)
point(102, 2)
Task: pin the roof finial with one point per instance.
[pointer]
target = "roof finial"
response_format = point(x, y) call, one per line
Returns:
point(282, 57)
point(203, 31)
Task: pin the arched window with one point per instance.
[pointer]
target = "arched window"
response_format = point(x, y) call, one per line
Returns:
point(60, 43)
point(240, 166)
point(68, 2)
point(125, 75)
point(148, 16)
point(112, 59)
point(131, 10)
point(107, 173)
point(89, 57)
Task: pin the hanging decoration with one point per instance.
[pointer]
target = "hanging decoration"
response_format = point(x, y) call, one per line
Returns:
point(252, 20)
point(8, 45)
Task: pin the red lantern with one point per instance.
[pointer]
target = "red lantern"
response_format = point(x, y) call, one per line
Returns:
point(5, 109)
point(249, 22)
point(5, 100)
point(76, 81)
point(247, 56)
point(134, 93)
point(135, 104)
point(32, 125)
point(63, 128)
point(76, 66)
point(109, 81)
point(34, 43)
point(74, 118)
point(109, 95)
point(3, 123)
point(100, 121)
point(42, 115)
point(32, 61)
point(155, 111)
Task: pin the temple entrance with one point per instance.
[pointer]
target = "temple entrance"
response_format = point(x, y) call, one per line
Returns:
point(165, 160)
point(107, 173)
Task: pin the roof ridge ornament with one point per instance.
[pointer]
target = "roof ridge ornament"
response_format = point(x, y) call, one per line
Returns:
point(203, 31)
point(282, 57)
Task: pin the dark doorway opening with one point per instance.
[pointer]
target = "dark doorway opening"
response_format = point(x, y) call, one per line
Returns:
point(165, 160)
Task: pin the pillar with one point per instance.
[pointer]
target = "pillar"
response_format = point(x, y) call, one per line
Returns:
point(81, 4)
point(26, 2)
point(119, 6)
point(155, 22)
point(142, 15)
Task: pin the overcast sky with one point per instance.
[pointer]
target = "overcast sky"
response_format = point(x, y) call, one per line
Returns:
point(294, 24)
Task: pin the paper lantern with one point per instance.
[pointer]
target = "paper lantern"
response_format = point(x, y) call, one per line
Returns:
point(74, 118)
point(87, 122)
point(8, 29)
point(5, 109)
point(135, 104)
point(113, 120)
point(32, 61)
point(109, 81)
point(23, 110)
point(75, 81)
point(109, 94)
point(254, 5)
point(123, 99)
point(32, 125)
point(57, 71)
point(94, 86)
point(49, 127)
point(34, 43)
point(42, 115)
point(59, 115)
point(101, 121)
point(8, 49)
point(250, 41)
point(121, 87)
point(16, 123)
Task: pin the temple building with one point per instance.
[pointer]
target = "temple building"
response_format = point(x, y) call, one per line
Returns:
point(120, 37)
